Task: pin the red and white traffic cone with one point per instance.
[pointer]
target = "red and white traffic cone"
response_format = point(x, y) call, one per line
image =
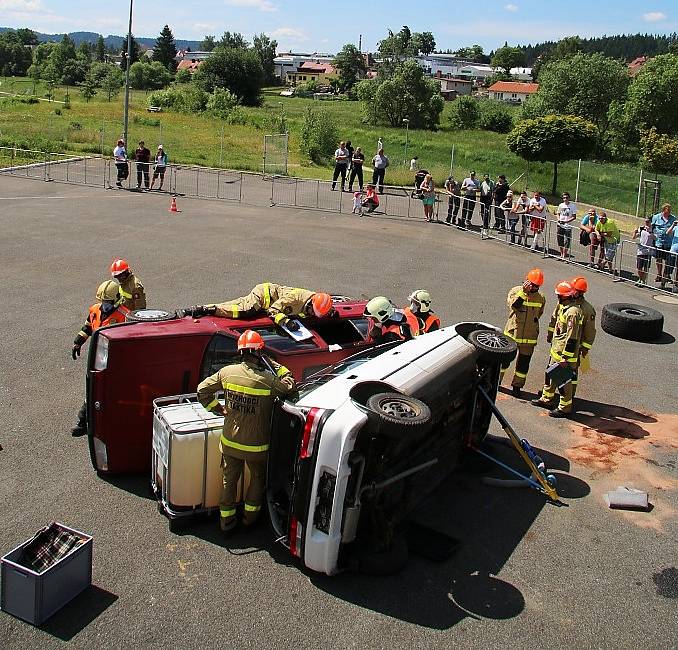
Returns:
point(173, 205)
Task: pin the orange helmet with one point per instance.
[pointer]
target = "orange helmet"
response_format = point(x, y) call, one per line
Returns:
point(322, 304)
point(580, 284)
point(564, 289)
point(250, 340)
point(119, 266)
point(535, 276)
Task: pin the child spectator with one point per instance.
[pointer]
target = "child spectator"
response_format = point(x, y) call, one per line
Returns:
point(646, 240)
point(357, 203)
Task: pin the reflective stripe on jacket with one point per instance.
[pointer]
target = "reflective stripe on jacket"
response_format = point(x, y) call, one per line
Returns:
point(94, 320)
point(426, 321)
point(132, 293)
point(525, 310)
point(567, 334)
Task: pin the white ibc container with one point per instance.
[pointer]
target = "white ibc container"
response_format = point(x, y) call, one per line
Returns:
point(186, 456)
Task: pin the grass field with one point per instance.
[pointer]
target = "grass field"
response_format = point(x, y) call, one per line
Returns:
point(94, 126)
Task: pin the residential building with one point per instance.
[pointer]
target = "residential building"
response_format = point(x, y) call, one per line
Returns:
point(514, 92)
point(453, 87)
point(635, 65)
point(323, 73)
point(191, 65)
point(183, 55)
point(290, 61)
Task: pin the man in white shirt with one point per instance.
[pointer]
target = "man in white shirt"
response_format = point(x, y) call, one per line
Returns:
point(120, 155)
point(414, 164)
point(567, 213)
point(469, 187)
point(340, 166)
point(537, 209)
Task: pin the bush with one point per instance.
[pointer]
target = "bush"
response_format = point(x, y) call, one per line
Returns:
point(318, 137)
point(183, 76)
point(221, 102)
point(238, 116)
point(182, 98)
point(495, 116)
point(57, 111)
point(146, 121)
point(465, 113)
point(76, 126)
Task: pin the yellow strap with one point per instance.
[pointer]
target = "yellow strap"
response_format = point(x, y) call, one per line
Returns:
point(251, 508)
point(281, 371)
point(523, 295)
point(236, 445)
point(124, 293)
point(227, 512)
point(279, 317)
point(507, 333)
point(212, 404)
point(267, 295)
point(237, 388)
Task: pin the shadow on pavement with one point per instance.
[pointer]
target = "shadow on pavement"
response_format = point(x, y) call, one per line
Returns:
point(79, 613)
point(611, 419)
point(137, 484)
point(664, 339)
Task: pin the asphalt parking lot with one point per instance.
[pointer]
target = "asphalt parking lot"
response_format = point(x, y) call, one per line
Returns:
point(527, 574)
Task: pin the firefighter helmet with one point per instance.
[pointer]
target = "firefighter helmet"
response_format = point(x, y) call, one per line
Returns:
point(119, 266)
point(421, 299)
point(379, 308)
point(580, 284)
point(322, 304)
point(250, 340)
point(564, 289)
point(535, 276)
point(108, 290)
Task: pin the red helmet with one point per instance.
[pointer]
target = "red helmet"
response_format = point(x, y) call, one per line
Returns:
point(564, 289)
point(535, 276)
point(322, 304)
point(250, 340)
point(580, 284)
point(119, 266)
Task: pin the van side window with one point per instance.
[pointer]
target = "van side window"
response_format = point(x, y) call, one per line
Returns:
point(279, 342)
point(221, 351)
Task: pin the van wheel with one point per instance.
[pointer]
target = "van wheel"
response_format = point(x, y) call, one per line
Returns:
point(493, 345)
point(401, 414)
point(149, 315)
point(633, 322)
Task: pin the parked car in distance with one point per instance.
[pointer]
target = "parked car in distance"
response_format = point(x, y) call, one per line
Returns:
point(163, 353)
point(370, 437)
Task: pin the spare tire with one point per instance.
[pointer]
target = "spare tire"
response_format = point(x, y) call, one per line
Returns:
point(493, 345)
point(400, 414)
point(633, 322)
point(150, 315)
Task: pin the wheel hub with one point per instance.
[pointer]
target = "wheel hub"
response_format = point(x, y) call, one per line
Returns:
point(492, 340)
point(398, 409)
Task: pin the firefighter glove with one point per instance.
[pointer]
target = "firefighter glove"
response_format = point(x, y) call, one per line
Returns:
point(75, 352)
point(291, 324)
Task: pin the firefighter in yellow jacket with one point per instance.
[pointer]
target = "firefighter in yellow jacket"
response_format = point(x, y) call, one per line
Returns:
point(250, 389)
point(282, 304)
point(565, 348)
point(526, 306)
point(132, 292)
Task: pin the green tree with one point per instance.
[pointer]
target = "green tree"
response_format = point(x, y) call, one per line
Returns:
point(423, 42)
point(165, 50)
point(235, 41)
point(265, 48)
point(583, 85)
point(350, 64)
point(27, 36)
point(554, 138)
point(660, 151)
point(183, 76)
point(15, 56)
point(221, 102)
point(474, 53)
point(464, 113)
point(236, 69)
point(563, 49)
point(98, 71)
point(508, 57)
point(495, 116)
point(100, 50)
point(51, 75)
point(88, 88)
point(207, 44)
point(136, 54)
point(112, 82)
point(407, 94)
point(149, 76)
point(318, 137)
point(652, 96)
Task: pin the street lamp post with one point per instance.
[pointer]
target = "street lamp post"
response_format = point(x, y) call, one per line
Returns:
point(406, 122)
point(129, 56)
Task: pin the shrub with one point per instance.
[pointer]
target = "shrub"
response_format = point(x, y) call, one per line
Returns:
point(221, 102)
point(146, 121)
point(182, 98)
point(495, 116)
point(465, 113)
point(238, 116)
point(319, 136)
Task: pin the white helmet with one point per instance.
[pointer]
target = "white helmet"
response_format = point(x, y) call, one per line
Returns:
point(420, 300)
point(379, 308)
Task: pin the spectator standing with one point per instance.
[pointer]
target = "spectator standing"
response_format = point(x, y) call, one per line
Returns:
point(506, 206)
point(357, 159)
point(469, 187)
point(350, 150)
point(160, 168)
point(452, 187)
point(661, 222)
point(486, 195)
point(588, 235)
point(414, 164)
point(519, 212)
point(380, 162)
point(120, 156)
point(428, 196)
point(501, 189)
point(567, 213)
point(646, 241)
point(610, 236)
point(142, 157)
point(537, 212)
point(371, 201)
point(672, 259)
point(340, 166)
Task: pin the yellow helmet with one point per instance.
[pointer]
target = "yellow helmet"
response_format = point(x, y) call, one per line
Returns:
point(379, 308)
point(108, 290)
point(420, 300)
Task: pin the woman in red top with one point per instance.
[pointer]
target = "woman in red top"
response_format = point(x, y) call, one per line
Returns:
point(371, 199)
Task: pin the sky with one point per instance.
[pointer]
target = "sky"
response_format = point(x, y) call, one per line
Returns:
point(325, 26)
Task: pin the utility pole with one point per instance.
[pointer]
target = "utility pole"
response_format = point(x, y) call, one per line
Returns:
point(360, 43)
point(129, 56)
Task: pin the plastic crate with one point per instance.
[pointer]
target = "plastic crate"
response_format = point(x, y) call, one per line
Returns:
point(34, 596)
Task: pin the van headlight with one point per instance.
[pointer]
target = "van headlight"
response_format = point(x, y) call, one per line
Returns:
point(101, 353)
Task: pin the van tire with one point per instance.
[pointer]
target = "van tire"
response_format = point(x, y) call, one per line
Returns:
point(399, 414)
point(150, 315)
point(633, 322)
point(493, 346)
